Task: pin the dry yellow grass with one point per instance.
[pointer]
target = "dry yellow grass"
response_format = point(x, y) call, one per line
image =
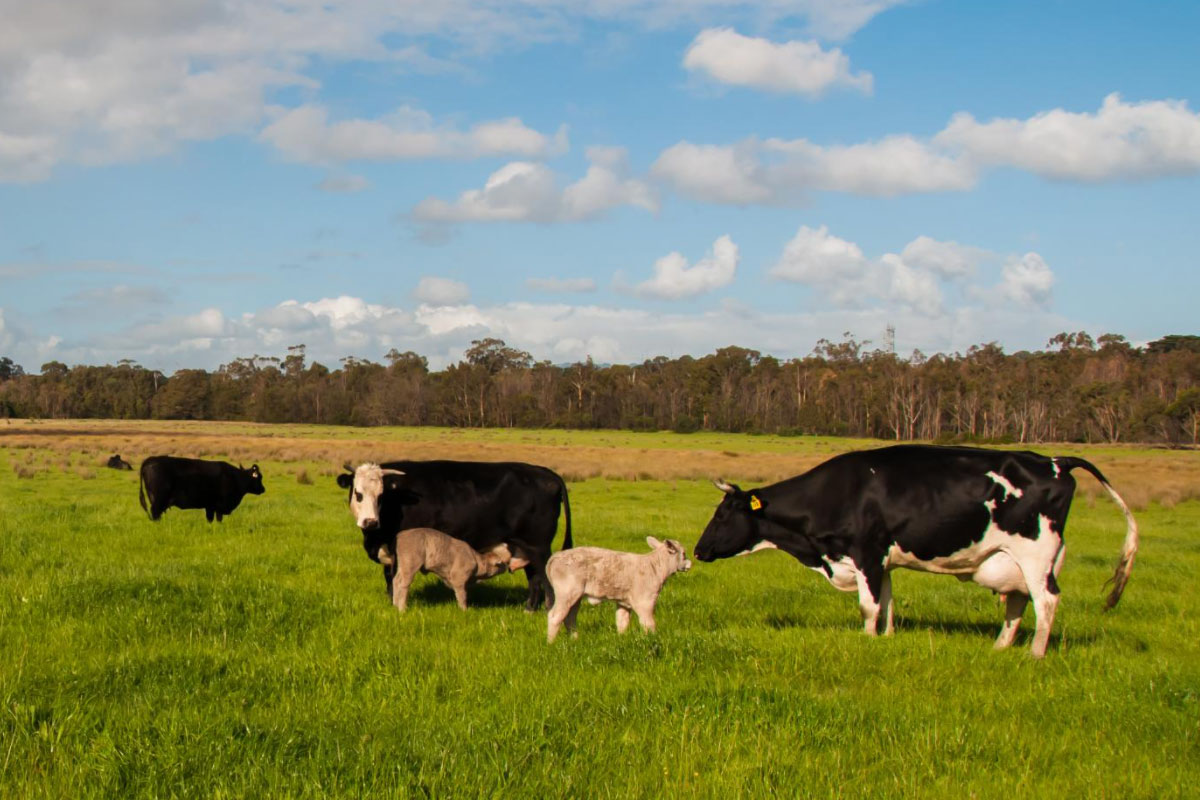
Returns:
point(1141, 475)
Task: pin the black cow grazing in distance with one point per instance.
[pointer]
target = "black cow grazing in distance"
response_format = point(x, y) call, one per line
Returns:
point(994, 517)
point(116, 462)
point(482, 503)
point(216, 486)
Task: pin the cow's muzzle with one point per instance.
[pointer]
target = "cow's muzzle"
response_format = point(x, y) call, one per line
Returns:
point(369, 523)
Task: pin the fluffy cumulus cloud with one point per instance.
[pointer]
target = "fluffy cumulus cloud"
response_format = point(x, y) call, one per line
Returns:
point(115, 80)
point(524, 191)
point(1121, 141)
point(674, 278)
point(781, 172)
point(799, 67)
point(333, 328)
point(441, 291)
point(916, 280)
point(305, 134)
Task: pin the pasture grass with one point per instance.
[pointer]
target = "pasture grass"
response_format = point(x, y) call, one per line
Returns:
point(259, 657)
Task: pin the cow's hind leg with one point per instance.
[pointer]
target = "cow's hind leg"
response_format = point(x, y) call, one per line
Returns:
point(1043, 591)
point(622, 619)
point(569, 620)
point(885, 603)
point(209, 514)
point(1014, 607)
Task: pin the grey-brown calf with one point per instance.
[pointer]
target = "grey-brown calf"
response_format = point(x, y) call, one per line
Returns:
point(632, 580)
point(452, 560)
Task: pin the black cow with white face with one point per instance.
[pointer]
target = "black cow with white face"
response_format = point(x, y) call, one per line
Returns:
point(993, 517)
point(216, 486)
point(482, 503)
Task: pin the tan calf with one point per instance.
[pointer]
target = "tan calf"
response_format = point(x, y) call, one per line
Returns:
point(631, 580)
point(452, 560)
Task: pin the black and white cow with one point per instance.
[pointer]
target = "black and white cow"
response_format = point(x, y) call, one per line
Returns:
point(216, 486)
point(482, 503)
point(993, 517)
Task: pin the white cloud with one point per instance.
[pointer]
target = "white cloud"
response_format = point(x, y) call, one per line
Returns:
point(561, 284)
point(1120, 141)
point(1027, 281)
point(798, 67)
point(523, 191)
point(305, 134)
point(947, 259)
point(674, 279)
point(917, 280)
point(117, 80)
point(441, 291)
point(782, 172)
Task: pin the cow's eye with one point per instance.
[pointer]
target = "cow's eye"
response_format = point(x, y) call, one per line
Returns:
point(358, 496)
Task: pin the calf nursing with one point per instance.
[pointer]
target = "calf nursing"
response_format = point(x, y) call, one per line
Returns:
point(632, 580)
point(452, 560)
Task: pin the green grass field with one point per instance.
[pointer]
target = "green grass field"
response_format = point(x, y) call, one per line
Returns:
point(260, 657)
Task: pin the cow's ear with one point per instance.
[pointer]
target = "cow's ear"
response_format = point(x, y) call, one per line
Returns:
point(345, 480)
point(654, 543)
point(756, 502)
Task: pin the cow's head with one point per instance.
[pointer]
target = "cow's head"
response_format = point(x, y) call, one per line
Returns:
point(252, 480)
point(366, 485)
point(676, 554)
point(496, 560)
point(734, 527)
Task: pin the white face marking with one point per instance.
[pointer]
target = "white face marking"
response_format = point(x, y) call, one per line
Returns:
point(763, 545)
point(1003, 483)
point(364, 495)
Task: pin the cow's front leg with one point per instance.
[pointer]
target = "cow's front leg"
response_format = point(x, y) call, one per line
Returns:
point(870, 595)
point(209, 514)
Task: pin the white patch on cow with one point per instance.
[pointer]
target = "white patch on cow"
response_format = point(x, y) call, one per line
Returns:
point(1055, 467)
point(763, 545)
point(842, 575)
point(1005, 484)
point(872, 470)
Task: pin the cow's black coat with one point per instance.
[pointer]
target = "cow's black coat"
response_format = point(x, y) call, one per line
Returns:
point(482, 503)
point(931, 501)
point(116, 462)
point(216, 486)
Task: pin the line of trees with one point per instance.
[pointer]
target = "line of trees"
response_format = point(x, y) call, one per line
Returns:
point(1076, 389)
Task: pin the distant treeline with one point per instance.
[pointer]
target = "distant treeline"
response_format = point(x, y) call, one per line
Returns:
point(1077, 389)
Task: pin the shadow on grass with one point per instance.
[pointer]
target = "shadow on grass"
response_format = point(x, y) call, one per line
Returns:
point(479, 595)
point(987, 631)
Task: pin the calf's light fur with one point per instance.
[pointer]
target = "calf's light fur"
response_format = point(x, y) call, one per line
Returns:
point(452, 560)
point(632, 580)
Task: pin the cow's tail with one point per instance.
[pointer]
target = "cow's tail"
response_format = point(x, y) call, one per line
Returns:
point(1129, 552)
point(142, 493)
point(566, 501)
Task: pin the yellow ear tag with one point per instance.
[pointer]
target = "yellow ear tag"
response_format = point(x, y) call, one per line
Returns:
point(755, 503)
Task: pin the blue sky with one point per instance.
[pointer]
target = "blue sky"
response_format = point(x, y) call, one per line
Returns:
point(185, 183)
